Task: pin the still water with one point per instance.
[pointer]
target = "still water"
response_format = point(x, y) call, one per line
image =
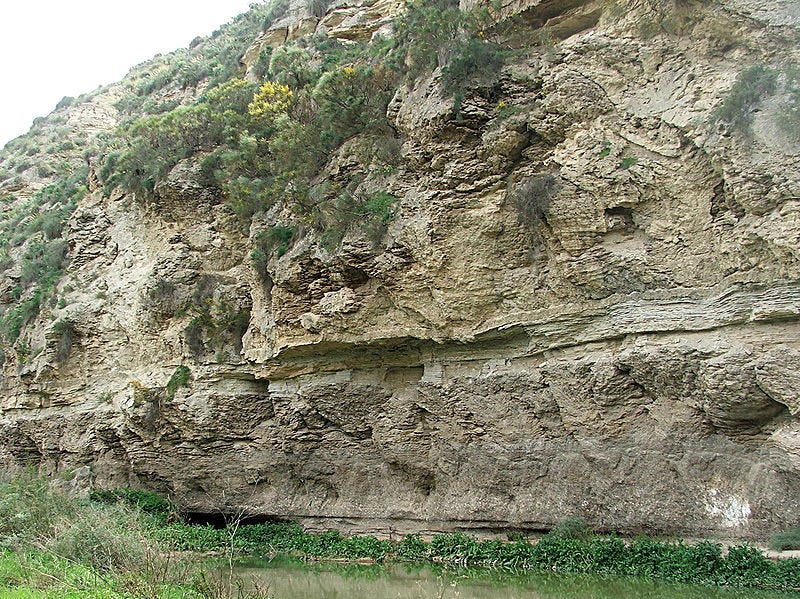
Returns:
point(290, 579)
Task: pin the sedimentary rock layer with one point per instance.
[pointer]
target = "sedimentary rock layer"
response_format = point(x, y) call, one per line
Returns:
point(586, 304)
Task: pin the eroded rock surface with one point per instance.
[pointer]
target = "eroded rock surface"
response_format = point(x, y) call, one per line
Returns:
point(587, 305)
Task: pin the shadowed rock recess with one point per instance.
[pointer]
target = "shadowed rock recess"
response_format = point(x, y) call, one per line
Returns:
point(583, 300)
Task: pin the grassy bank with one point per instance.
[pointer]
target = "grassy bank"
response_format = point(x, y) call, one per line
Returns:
point(54, 545)
point(122, 544)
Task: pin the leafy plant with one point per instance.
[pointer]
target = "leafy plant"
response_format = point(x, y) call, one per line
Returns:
point(16, 317)
point(379, 207)
point(32, 511)
point(42, 263)
point(352, 99)
point(471, 60)
point(292, 66)
point(276, 239)
point(109, 547)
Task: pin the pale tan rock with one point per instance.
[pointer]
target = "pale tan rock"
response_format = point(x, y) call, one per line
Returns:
point(360, 19)
point(586, 305)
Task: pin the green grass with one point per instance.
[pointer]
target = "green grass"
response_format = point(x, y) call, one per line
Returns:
point(36, 575)
point(787, 540)
point(54, 545)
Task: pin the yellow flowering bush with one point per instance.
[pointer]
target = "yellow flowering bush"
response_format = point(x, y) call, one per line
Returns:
point(271, 99)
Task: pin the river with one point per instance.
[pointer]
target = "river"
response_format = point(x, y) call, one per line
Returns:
point(287, 578)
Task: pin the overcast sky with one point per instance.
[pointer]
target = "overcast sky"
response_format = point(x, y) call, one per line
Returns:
point(55, 48)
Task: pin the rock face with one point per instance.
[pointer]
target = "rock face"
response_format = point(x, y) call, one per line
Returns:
point(586, 305)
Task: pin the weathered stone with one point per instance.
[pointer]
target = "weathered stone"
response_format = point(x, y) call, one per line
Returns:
point(586, 305)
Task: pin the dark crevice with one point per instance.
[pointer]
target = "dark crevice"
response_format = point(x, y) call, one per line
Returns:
point(222, 519)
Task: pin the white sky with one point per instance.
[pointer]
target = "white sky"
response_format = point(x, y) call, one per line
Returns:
point(55, 48)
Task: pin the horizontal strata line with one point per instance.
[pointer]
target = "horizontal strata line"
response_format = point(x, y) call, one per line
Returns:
point(525, 335)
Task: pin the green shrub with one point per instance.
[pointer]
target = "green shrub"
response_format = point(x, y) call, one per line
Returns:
point(426, 27)
point(194, 332)
point(247, 196)
point(298, 150)
point(103, 538)
point(412, 547)
point(292, 66)
point(66, 547)
point(184, 537)
point(44, 170)
point(276, 238)
point(217, 325)
point(472, 60)
point(351, 100)
point(111, 539)
point(153, 145)
point(41, 220)
point(379, 207)
point(179, 378)
point(145, 501)
point(18, 316)
point(259, 259)
point(371, 214)
point(42, 263)
point(261, 67)
point(258, 158)
point(571, 528)
point(65, 102)
point(30, 510)
point(750, 87)
point(152, 106)
point(157, 143)
point(453, 547)
point(437, 33)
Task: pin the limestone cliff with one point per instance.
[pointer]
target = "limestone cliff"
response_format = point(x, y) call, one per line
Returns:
point(585, 302)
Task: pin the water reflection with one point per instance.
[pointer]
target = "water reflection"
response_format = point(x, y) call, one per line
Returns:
point(294, 579)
